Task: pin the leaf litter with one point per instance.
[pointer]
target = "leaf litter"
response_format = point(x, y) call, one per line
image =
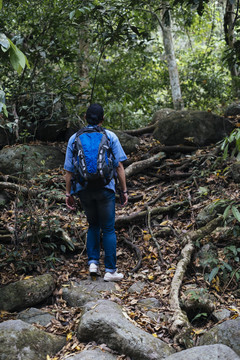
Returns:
point(26, 256)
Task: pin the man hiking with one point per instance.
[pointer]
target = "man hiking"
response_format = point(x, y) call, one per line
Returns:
point(93, 156)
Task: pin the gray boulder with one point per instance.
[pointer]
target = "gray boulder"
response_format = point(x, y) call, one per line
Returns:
point(29, 160)
point(208, 352)
point(227, 333)
point(22, 341)
point(221, 314)
point(92, 354)
point(191, 127)
point(161, 114)
point(26, 293)
point(80, 293)
point(128, 142)
point(137, 287)
point(149, 303)
point(35, 316)
point(104, 322)
point(232, 110)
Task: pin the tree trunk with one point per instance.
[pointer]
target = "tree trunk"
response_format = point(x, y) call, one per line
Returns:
point(171, 60)
point(229, 23)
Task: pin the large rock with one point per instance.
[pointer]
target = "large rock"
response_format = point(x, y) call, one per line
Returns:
point(208, 352)
point(104, 322)
point(194, 127)
point(78, 294)
point(26, 293)
point(29, 160)
point(161, 114)
point(35, 316)
point(22, 341)
point(92, 354)
point(227, 333)
point(128, 142)
point(233, 110)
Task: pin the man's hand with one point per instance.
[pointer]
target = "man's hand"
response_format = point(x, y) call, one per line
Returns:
point(70, 202)
point(124, 198)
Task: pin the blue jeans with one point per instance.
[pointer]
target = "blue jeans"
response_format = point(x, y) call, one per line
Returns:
point(99, 206)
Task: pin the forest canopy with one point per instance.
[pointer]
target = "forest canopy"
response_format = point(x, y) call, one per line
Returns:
point(134, 57)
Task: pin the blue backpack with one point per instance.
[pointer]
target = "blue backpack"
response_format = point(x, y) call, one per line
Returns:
point(93, 158)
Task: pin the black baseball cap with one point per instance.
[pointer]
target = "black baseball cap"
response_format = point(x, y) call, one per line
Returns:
point(94, 114)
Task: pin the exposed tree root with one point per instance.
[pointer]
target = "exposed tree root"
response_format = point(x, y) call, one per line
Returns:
point(30, 192)
point(184, 149)
point(137, 251)
point(180, 320)
point(141, 131)
point(171, 176)
point(139, 166)
point(127, 220)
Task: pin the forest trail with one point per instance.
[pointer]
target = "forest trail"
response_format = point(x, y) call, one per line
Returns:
point(164, 202)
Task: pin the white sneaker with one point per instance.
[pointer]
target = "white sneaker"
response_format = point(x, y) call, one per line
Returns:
point(113, 276)
point(94, 269)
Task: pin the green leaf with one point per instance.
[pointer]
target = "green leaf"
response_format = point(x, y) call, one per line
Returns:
point(225, 153)
point(63, 248)
point(72, 14)
point(213, 274)
point(203, 190)
point(5, 110)
point(4, 42)
point(199, 316)
point(1, 4)
point(236, 213)
point(226, 212)
point(227, 266)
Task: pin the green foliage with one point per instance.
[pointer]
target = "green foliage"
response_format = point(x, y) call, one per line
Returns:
point(225, 269)
point(17, 59)
point(111, 52)
point(232, 144)
point(231, 209)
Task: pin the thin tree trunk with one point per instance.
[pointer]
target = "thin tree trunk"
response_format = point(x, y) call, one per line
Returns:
point(171, 60)
point(229, 23)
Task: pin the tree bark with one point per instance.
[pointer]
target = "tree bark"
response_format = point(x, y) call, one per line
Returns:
point(171, 60)
point(229, 24)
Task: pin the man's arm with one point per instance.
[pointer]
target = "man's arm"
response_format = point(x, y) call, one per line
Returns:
point(70, 202)
point(122, 181)
point(68, 178)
